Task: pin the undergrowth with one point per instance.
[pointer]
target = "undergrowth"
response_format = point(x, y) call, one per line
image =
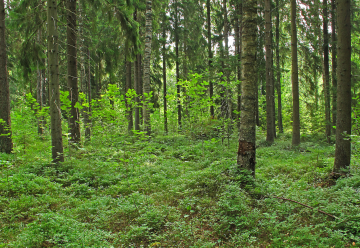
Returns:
point(174, 191)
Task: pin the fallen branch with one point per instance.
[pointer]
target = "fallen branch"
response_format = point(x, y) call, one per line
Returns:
point(302, 204)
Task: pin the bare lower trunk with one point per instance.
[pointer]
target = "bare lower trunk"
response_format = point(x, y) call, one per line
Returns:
point(294, 77)
point(54, 90)
point(334, 64)
point(74, 119)
point(148, 36)
point(343, 123)
point(326, 73)
point(6, 144)
point(278, 69)
point(247, 149)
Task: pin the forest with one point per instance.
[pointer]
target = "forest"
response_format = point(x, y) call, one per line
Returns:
point(179, 123)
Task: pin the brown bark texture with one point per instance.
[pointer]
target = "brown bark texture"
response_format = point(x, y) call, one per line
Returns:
point(278, 69)
point(295, 77)
point(343, 123)
point(6, 144)
point(74, 119)
point(326, 72)
point(334, 63)
point(54, 90)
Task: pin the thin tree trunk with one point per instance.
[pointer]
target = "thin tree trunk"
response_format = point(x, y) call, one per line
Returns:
point(39, 89)
point(238, 45)
point(6, 144)
point(87, 119)
point(343, 123)
point(210, 54)
point(178, 88)
point(74, 119)
point(129, 116)
point(294, 77)
point(54, 90)
point(247, 149)
point(148, 36)
point(137, 77)
point(269, 75)
point(164, 73)
point(278, 69)
point(227, 65)
point(334, 65)
point(326, 73)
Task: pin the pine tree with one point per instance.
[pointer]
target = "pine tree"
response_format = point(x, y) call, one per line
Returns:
point(54, 91)
point(6, 144)
point(343, 123)
point(247, 149)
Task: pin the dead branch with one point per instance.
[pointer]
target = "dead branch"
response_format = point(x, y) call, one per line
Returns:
point(302, 204)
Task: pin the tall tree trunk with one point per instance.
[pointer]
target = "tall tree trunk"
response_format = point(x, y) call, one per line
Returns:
point(178, 88)
point(343, 123)
point(87, 119)
point(6, 144)
point(137, 78)
point(278, 69)
point(148, 36)
point(210, 54)
point(129, 111)
point(247, 149)
point(269, 75)
point(54, 90)
point(334, 65)
point(227, 67)
point(74, 120)
point(164, 73)
point(294, 77)
point(238, 45)
point(40, 88)
point(326, 72)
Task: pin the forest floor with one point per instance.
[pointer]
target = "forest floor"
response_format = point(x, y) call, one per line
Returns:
point(174, 191)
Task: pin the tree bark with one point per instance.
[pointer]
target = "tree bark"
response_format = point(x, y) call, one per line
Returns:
point(40, 88)
point(269, 75)
point(137, 78)
point(294, 77)
point(247, 149)
point(210, 54)
point(54, 90)
point(278, 69)
point(129, 116)
point(238, 30)
point(334, 64)
point(6, 144)
point(74, 119)
point(148, 36)
point(326, 73)
point(343, 123)
point(164, 73)
point(178, 88)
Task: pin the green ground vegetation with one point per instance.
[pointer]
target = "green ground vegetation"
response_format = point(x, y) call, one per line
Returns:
point(175, 191)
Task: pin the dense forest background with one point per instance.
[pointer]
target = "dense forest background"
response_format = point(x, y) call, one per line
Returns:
point(120, 123)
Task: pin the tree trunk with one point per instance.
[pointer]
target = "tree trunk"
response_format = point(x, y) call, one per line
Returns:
point(6, 144)
point(164, 73)
point(40, 88)
point(137, 78)
point(294, 77)
point(87, 119)
point(238, 45)
point(148, 36)
point(211, 85)
point(278, 69)
point(54, 90)
point(334, 65)
point(326, 72)
point(269, 75)
point(74, 119)
point(343, 123)
point(178, 88)
point(247, 149)
point(129, 116)
point(227, 64)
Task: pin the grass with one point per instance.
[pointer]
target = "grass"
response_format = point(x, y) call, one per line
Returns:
point(174, 191)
